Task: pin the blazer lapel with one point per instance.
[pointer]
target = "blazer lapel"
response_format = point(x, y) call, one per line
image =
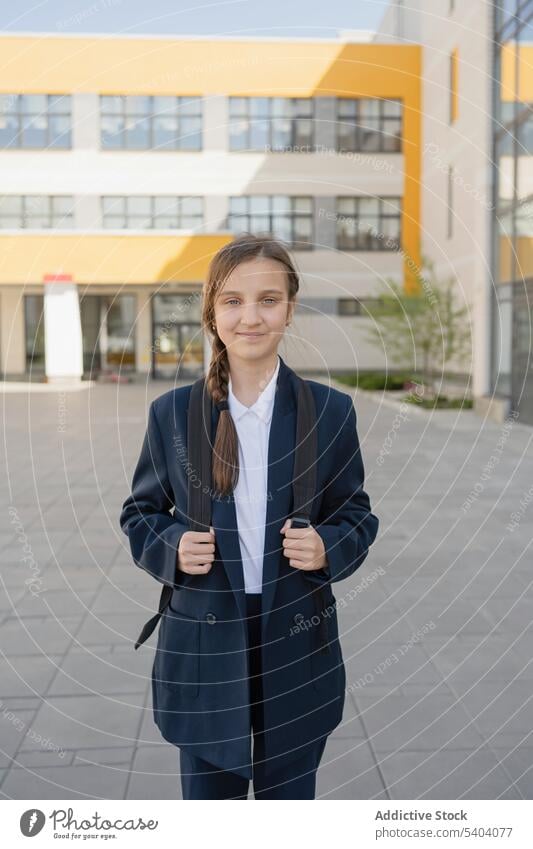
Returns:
point(224, 522)
point(281, 445)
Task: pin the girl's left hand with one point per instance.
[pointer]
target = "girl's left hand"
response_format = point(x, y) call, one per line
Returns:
point(303, 547)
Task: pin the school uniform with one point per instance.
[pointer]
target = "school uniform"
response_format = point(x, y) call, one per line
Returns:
point(225, 659)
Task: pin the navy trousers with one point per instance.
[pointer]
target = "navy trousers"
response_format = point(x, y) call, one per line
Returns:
point(297, 780)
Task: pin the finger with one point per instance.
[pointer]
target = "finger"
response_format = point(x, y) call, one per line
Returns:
point(295, 546)
point(297, 564)
point(200, 558)
point(197, 570)
point(201, 536)
point(200, 547)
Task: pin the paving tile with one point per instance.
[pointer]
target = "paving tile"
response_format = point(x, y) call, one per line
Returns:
point(80, 722)
point(446, 774)
point(14, 725)
point(519, 763)
point(348, 771)
point(155, 773)
point(68, 782)
point(83, 672)
point(425, 723)
point(27, 676)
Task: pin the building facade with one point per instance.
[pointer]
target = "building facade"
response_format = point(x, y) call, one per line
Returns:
point(512, 319)
point(477, 131)
point(126, 163)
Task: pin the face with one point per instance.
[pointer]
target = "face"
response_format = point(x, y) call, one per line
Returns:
point(252, 309)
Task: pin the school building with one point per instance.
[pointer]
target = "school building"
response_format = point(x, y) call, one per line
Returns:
point(126, 162)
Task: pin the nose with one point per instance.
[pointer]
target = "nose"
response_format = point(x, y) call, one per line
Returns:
point(250, 315)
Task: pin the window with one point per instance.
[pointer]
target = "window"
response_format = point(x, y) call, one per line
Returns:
point(368, 224)
point(524, 218)
point(348, 306)
point(36, 211)
point(139, 212)
point(315, 307)
point(454, 60)
point(35, 121)
point(271, 123)
point(34, 332)
point(449, 206)
point(365, 307)
point(286, 218)
point(139, 122)
point(524, 131)
point(369, 124)
point(505, 13)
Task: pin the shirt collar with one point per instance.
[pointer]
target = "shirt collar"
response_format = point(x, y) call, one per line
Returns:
point(264, 404)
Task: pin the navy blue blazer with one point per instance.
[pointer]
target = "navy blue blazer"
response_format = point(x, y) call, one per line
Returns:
point(200, 669)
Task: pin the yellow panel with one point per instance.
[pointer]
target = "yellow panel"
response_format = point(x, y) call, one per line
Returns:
point(174, 66)
point(201, 66)
point(454, 85)
point(525, 73)
point(508, 72)
point(107, 258)
point(524, 253)
point(511, 88)
point(506, 263)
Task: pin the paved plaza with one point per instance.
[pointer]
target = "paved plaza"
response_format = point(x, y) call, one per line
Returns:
point(435, 626)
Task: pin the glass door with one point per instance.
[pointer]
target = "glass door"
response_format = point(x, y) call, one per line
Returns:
point(108, 332)
point(177, 338)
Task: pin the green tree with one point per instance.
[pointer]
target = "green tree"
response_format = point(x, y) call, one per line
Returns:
point(423, 331)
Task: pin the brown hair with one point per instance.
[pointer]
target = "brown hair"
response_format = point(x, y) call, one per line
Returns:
point(225, 463)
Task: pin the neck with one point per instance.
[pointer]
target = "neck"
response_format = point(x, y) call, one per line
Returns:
point(249, 377)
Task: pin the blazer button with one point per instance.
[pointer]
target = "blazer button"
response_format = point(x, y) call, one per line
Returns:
point(298, 618)
point(210, 618)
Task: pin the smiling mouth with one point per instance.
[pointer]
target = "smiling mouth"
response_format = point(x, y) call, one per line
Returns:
point(250, 334)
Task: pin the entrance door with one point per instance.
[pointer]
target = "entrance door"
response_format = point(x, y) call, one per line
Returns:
point(178, 340)
point(108, 332)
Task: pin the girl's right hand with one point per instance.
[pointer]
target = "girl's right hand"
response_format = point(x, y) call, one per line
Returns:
point(196, 552)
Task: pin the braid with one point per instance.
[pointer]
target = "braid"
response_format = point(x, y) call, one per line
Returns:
point(225, 465)
point(218, 373)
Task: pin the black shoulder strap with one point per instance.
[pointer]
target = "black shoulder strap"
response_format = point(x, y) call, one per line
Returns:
point(304, 486)
point(200, 458)
point(199, 497)
point(304, 474)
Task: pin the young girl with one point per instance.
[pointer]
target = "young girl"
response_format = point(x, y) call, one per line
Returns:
point(238, 654)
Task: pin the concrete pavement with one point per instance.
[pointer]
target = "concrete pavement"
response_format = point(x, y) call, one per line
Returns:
point(437, 641)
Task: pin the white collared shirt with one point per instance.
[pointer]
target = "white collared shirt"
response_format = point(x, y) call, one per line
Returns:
point(253, 430)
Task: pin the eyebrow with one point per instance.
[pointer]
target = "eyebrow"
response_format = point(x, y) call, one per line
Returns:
point(264, 292)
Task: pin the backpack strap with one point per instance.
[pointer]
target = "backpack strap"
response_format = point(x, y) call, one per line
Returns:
point(304, 487)
point(199, 456)
point(199, 497)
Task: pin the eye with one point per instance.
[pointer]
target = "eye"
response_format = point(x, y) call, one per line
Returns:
point(234, 300)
